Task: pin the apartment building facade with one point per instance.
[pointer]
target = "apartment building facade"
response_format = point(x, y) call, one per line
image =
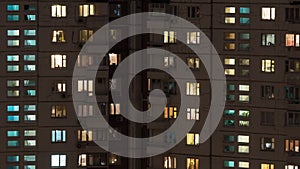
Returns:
point(258, 43)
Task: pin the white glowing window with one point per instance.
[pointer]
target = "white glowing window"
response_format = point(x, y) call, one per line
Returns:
point(193, 37)
point(58, 11)
point(244, 88)
point(59, 160)
point(268, 13)
point(193, 88)
point(58, 61)
point(58, 36)
point(229, 61)
point(268, 65)
point(85, 86)
point(230, 9)
point(243, 139)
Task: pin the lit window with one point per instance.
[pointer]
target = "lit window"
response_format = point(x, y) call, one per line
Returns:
point(245, 21)
point(268, 39)
point(170, 112)
point(29, 133)
point(61, 87)
point(193, 63)
point(58, 61)
point(13, 159)
point(268, 65)
point(13, 83)
point(169, 61)
point(12, 7)
point(292, 65)
point(58, 136)
point(84, 61)
point(267, 92)
point(115, 10)
point(228, 149)
point(114, 59)
point(228, 123)
point(192, 88)
point(292, 167)
point(292, 40)
point(268, 13)
point(169, 37)
point(244, 98)
point(244, 164)
point(29, 143)
point(244, 36)
point(13, 93)
point(29, 167)
point(229, 164)
point(30, 92)
point(58, 36)
point(244, 10)
point(244, 113)
point(193, 38)
point(12, 17)
point(267, 166)
point(243, 139)
point(267, 144)
point(13, 43)
point(229, 36)
point(58, 11)
point(29, 57)
point(83, 135)
point(28, 83)
point(193, 139)
point(13, 32)
point(85, 110)
point(229, 61)
point(243, 149)
point(228, 138)
point(230, 10)
point(170, 162)
point(59, 111)
point(12, 58)
point(244, 62)
point(31, 7)
point(29, 32)
point(85, 86)
point(193, 114)
point(30, 17)
point(230, 72)
point(12, 108)
point(114, 159)
point(229, 46)
point(12, 133)
point(115, 109)
point(12, 143)
point(292, 145)
point(84, 35)
point(244, 123)
point(30, 42)
point(229, 112)
point(30, 118)
point(193, 12)
point(86, 10)
point(29, 107)
point(229, 20)
point(244, 88)
point(29, 68)
point(29, 158)
point(92, 160)
point(58, 160)
point(192, 163)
